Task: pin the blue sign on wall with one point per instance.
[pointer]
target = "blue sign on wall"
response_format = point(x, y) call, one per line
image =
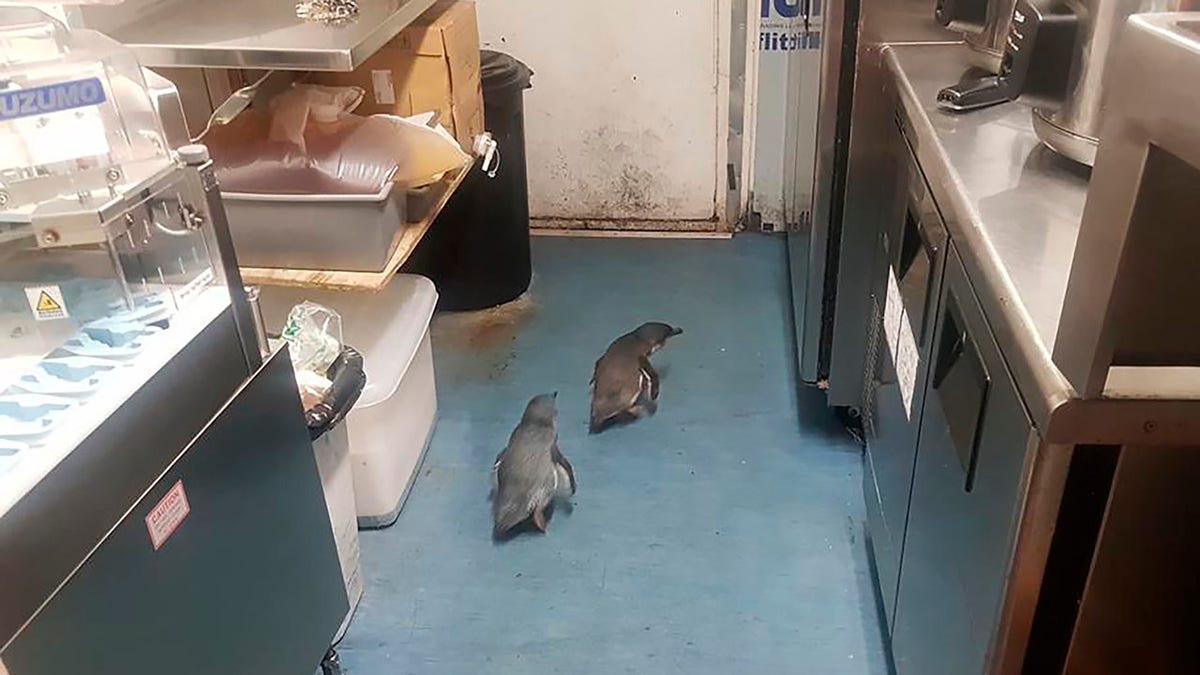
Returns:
point(51, 98)
point(789, 41)
point(787, 26)
point(788, 9)
point(791, 9)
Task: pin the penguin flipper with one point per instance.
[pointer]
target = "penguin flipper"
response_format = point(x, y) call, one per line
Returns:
point(558, 458)
point(652, 375)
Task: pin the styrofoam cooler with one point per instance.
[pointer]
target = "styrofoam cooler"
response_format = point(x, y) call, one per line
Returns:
point(392, 423)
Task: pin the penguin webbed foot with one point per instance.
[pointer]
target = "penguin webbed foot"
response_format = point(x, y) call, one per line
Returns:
point(538, 522)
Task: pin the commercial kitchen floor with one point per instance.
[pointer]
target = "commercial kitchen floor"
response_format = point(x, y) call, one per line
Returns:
point(723, 535)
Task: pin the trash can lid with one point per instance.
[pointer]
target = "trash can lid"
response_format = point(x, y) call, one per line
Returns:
point(502, 71)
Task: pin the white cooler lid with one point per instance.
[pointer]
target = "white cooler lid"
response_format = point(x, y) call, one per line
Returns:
point(387, 327)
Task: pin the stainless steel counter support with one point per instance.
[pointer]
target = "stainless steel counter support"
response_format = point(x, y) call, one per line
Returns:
point(1134, 282)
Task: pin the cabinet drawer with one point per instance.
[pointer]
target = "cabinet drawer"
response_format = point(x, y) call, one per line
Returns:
point(968, 485)
point(245, 578)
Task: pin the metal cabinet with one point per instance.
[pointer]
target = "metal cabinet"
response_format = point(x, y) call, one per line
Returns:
point(975, 442)
point(245, 580)
point(911, 250)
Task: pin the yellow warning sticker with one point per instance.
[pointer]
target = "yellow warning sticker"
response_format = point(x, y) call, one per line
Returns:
point(47, 303)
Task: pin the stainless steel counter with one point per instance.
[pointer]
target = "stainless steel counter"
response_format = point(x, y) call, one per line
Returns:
point(257, 34)
point(1013, 209)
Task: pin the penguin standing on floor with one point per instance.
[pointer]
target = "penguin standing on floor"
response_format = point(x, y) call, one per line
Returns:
point(531, 472)
point(624, 384)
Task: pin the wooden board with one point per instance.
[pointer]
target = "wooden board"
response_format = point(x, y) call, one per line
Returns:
point(406, 240)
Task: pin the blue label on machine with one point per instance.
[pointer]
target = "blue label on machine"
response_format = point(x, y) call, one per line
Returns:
point(51, 98)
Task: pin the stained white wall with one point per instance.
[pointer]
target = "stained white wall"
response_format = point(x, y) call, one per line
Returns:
point(626, 118)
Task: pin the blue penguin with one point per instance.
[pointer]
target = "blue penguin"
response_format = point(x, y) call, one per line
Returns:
point(531, 471)
point(624, 384)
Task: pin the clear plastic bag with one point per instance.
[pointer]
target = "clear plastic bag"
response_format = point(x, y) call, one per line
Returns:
point(425, 152)
point(292, 110)
point(314, 334)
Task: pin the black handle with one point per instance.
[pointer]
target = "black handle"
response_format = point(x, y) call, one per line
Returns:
point(349, 378)
point(915, 241)
point(973, 93)
point(962, 384)
point(964, 16)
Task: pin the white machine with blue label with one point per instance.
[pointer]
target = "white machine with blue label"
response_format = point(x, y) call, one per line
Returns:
point(147, 449)
point(77, 123)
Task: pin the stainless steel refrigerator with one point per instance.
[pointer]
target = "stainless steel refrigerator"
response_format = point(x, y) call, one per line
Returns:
point(832, 261)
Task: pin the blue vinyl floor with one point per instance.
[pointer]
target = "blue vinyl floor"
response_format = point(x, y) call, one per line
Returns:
point(723, 535)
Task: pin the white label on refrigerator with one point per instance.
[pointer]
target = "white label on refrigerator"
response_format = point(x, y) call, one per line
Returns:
point(902, 345)
point(47, 303)
point(385, 90)
point(893, 311)
point(906, 364)
point(167, 515)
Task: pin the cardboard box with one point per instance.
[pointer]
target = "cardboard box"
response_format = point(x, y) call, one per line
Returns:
point(431, 65)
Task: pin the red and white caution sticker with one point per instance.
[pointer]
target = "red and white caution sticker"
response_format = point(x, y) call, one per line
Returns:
point(167, 516)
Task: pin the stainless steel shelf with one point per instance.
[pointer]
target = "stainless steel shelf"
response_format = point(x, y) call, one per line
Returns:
point(252, 34)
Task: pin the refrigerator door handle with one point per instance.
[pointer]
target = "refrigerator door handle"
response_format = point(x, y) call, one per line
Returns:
point(962, 384)
point(916, 240)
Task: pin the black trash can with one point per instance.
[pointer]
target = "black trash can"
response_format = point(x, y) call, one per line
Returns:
point(477, 252)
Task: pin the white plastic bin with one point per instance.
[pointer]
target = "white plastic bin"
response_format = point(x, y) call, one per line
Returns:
point(392, 422)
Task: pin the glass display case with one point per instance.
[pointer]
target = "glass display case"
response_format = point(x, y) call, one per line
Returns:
point(109, 264)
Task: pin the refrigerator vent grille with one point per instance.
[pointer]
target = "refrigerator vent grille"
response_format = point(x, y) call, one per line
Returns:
point(870, 369)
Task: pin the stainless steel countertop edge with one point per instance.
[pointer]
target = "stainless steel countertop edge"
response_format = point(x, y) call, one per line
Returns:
point(1043, 387)
point(257, 35)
